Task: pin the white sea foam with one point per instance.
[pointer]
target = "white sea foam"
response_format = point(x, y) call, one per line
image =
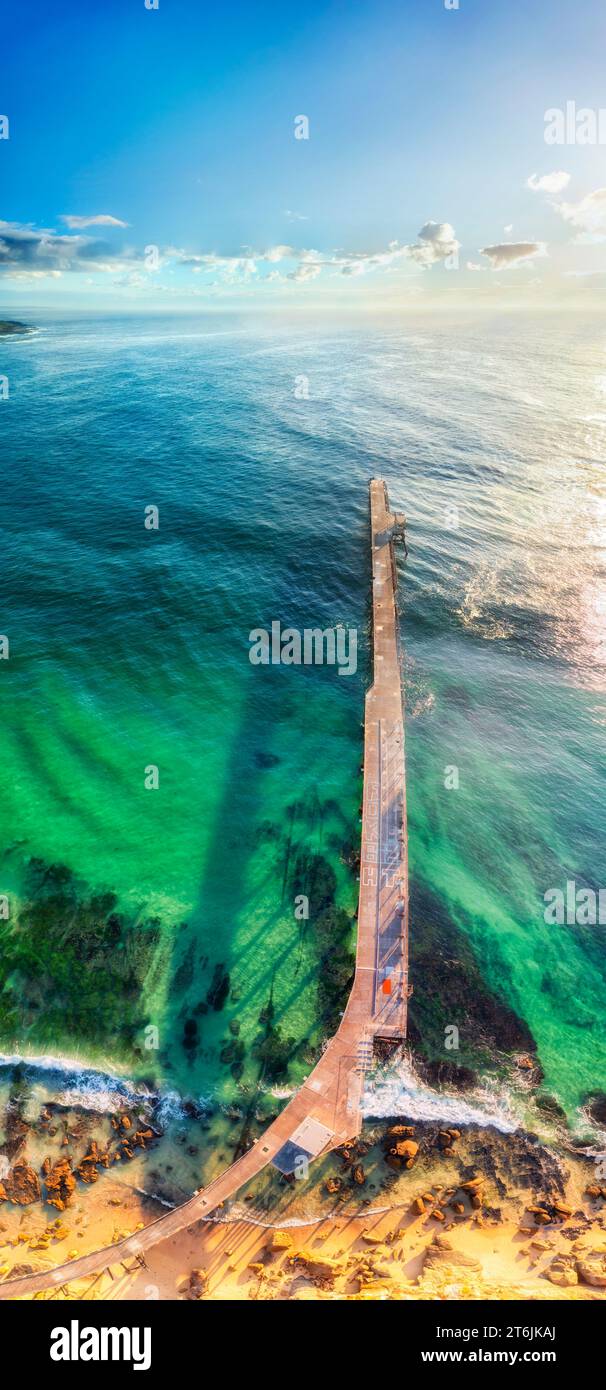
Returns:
point(400, 1092)
point(69, 1082)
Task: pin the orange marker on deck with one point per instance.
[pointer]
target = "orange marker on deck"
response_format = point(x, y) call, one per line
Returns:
point(386, 986)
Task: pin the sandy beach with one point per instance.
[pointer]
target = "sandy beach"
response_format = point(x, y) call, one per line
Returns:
point(383, 1256)
point(406, 1213)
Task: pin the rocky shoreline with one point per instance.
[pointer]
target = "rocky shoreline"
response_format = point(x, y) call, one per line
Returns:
point(407, 1210)
point(416, 1212)
point(9, 327)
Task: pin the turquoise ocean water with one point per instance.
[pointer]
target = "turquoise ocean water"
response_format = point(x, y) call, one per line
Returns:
point(130, 647)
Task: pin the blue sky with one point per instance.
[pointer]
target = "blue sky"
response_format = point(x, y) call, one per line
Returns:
point(179, 123)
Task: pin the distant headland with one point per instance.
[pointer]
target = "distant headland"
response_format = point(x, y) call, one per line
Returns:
point(14, 326)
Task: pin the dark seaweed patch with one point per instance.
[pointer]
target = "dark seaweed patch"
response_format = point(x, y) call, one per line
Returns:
point(449, 989)
point(219, 988)
point(72, 967)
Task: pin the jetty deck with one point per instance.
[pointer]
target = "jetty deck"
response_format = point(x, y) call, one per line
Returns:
point(326, 1110)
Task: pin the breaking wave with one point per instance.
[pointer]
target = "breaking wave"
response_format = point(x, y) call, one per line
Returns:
point(75, 1085)
point(71, 1083)
point(401, 1092)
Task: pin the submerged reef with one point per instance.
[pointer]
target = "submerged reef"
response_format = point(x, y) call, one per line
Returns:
point(332, 926)
point(73, 968)
point(449, 989)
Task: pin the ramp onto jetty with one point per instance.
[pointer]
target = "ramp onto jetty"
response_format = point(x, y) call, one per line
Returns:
point(326, 1111)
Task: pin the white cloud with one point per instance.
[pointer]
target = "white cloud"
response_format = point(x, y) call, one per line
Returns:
point(511, 254)
point(40, 251)
point(548, 183)
point(436, 242)
point(101, 219)
point(304, 272)
point(588, 215)
point(200, 263)
point(279, 253)
point(31, 249)
point(134, 280)
point(27, 275)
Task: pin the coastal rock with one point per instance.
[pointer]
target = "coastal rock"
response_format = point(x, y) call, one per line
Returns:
point(409, 1148)
point(404, 1148)
point(141, 1138)
point(87, 1172)
point(8, 326)
point(22, 1184)
point(596, 1106)
point(440, 1252)
point(198, 1280)
point(60, 1183)
point(379, 1289)
point(562, 1209)
point(472, 1184)
point(279, 1240)
point(86, 1169)
point(550, 1106)
point(16, 1130)
point(448, 1074)
point(402, 1153)
point(592, 1268)
point(551, 1209)
point(325, 1270)
point(562, 1271)
point(541, 1215)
